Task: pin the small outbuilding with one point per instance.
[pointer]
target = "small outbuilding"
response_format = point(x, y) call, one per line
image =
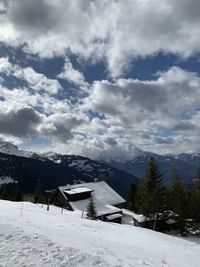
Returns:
point(106, 200)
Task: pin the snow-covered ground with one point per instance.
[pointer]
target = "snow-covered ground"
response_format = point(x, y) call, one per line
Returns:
point(49, 238)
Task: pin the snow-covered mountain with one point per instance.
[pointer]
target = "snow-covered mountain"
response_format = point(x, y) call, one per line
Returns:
point(56, 170)
point(32, 236)
point(121, 156)
point(186, 164)
point(107, 166)
point(10, 149)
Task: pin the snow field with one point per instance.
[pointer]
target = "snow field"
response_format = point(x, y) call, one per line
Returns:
point(49, 238)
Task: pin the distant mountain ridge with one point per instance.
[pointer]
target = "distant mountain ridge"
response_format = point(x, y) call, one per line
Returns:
point(53, 170)
point(186, 164)
point(10, 149)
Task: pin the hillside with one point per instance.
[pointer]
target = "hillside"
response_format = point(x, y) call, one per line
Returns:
point(49, 238)
point(26, 171)
point(53, 169)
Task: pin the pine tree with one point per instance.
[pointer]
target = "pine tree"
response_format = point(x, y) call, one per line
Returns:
point(4, 194)
point(91, 209)
point(15, 193)
point(195, 200)
point(142, 203)
point(152, 194)
point(38, 193)
point(178, 198)
point(131, 201)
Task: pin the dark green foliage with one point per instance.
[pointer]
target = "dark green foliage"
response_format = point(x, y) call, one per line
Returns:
point(38, 193)
point(11, 192)
point(175, 208)
point(178, 201)
point(195, 200)
point(16, 194)
point(131, 200)
point(91, 209)
point(143, 196)
point(4, 194)
point(152, 198)
point(152, 193)
point(178, 196)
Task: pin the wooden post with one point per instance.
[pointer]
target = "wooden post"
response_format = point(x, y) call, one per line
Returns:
point(155, 221)
point(22, 209)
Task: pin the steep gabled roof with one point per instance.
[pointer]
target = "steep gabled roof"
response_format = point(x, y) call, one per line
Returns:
point(99, 206)
point(101, 191)
point(82, 205)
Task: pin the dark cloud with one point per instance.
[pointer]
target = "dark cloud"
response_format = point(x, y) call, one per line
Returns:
point(189, 9)
point(20, 123)
point(149, 96)
point(111, 141)
point(113, 99)
point(3, 11)
point(63, 128)
point(33, 16)
point(184, 126)
point(3, 7)
point(164, 140)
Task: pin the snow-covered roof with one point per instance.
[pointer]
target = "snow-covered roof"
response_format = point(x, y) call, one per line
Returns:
point(114, 216)
point(100, 207)
point(113, 208)
point(77, 190)
point(102, 192)
point(139, 217)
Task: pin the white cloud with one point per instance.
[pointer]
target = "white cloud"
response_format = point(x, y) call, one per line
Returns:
point(36, 81)
point(131, 99)
point(37, 99)
point(5, 66)
point(148, 114)
point(71, 74)
point(160, 115)
point(113, 31)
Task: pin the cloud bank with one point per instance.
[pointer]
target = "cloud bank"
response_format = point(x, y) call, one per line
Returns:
point(113, 116)
point(113, 31)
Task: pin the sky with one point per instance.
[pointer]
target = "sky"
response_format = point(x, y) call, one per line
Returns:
point(100, 78)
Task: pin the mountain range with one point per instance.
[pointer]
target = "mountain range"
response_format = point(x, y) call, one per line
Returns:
point(53, 169)
point(187, 165)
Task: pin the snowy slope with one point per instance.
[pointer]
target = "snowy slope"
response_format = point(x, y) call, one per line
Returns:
point(49, 238)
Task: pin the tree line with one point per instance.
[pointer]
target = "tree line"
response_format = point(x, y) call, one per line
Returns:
point(14, 192)
point(173, 206)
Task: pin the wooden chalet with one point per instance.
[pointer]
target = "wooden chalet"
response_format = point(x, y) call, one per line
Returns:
point(106, 200)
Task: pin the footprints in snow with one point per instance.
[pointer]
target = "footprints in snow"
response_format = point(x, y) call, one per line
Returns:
point(35, 250)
